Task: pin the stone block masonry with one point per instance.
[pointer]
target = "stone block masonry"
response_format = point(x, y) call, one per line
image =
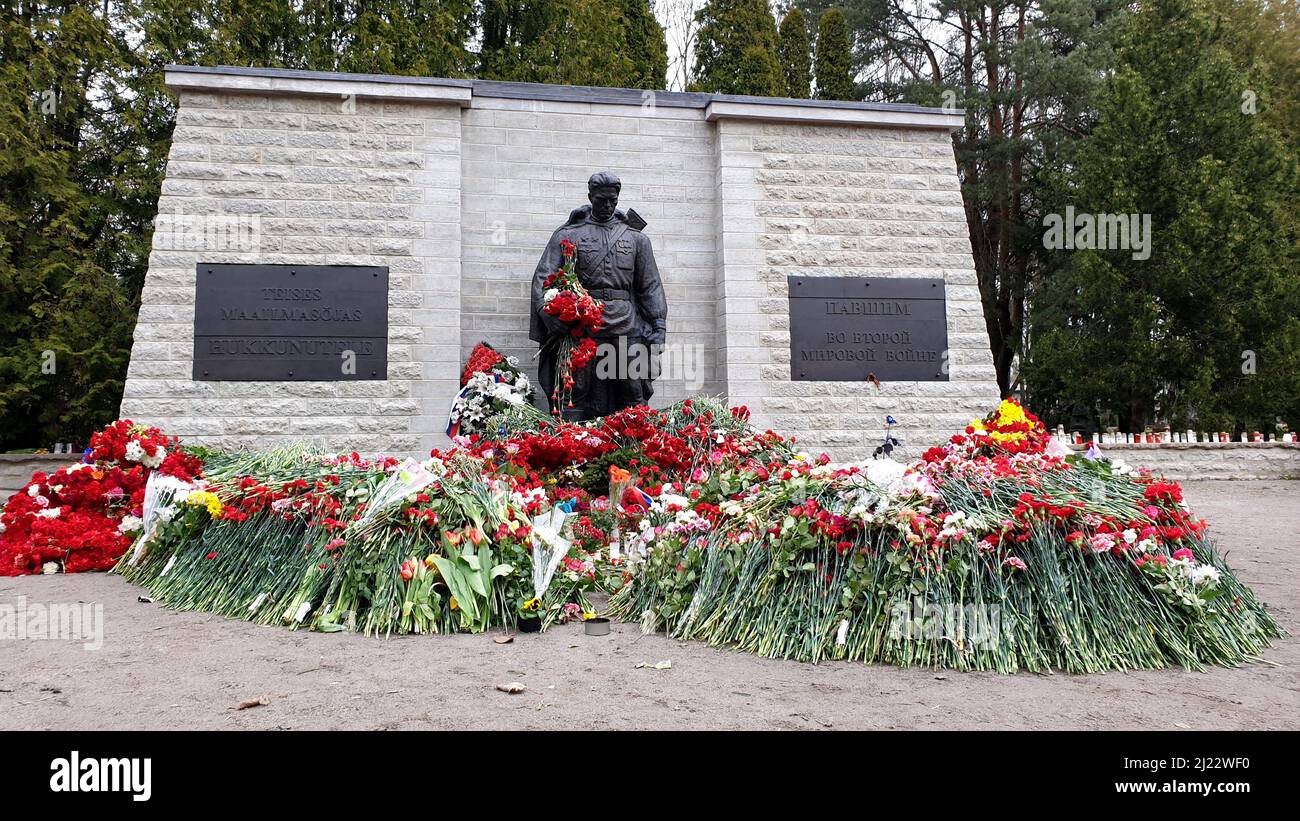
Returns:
point(456, 185)
point(1209, 460)
point(16, 469)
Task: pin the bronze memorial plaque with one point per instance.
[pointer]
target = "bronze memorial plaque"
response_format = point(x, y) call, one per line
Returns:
point(261, 323)
point(844, 328)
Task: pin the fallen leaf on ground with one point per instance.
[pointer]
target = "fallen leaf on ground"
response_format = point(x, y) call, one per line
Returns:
point(513, 688)
point(503, 639)
point(260, 701)
point(658, 665)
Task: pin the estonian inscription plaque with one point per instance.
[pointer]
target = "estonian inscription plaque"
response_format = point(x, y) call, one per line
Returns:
point(842, 329)
point(260, 323)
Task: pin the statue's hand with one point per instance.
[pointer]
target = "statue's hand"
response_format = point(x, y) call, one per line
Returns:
point(554, 325)
point(659, 334)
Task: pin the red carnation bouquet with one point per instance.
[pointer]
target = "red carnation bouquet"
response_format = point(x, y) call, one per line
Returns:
point(567, 300)
point(85, 516)
point(485, 359)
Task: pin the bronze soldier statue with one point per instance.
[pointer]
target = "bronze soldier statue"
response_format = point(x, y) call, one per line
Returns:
point(616, 265)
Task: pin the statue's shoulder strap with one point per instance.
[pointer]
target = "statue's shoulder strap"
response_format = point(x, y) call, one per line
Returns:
point(577, 215)
point(619, 230)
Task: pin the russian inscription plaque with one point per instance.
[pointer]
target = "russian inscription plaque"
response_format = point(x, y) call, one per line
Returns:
point(844, 328)
point(259, 323)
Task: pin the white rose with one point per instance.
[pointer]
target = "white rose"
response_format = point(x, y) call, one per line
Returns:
point(1204, 575)
point(134, 451)
point(152, 462)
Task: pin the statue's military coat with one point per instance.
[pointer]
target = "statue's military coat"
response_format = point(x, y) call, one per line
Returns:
point(616, 264)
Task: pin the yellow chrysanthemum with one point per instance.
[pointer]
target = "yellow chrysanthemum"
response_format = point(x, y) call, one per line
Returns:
point(1007, 414)
point(203, 498)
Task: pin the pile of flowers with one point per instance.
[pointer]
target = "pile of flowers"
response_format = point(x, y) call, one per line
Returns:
point(378, 546)
point(491, 385)
point(985, 555)
point(85, 516)
point(567, 300)
point(989, 553)
point(1009, 429)
point(688, 442)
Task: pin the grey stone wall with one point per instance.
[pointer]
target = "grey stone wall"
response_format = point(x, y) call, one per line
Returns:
point(843, 200)
point(456, 185)
point(525, 165)
point(1229, 460)
point(321, 181)
point(16, 469)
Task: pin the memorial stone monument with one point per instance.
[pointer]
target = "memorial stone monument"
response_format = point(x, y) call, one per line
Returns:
point(330, 247)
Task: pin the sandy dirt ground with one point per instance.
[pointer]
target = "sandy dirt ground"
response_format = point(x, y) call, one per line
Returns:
point(160, 669)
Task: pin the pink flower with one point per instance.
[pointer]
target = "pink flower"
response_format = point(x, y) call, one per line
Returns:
point(716, 457)
point(1015, 563)
point(1183, 554)
point(1102, 542)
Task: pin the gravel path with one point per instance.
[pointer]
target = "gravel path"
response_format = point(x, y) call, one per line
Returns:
point(159, 669)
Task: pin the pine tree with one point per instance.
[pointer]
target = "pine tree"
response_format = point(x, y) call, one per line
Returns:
point(796, 55)
point(645, 42)
point(1205, 332)
point(577, 42)
point(737, 49)
point(418, 37)
point(834, 58)
point(65, 319)
point(761, 72)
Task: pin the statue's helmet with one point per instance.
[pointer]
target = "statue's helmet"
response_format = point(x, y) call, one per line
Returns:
point(604, 179)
